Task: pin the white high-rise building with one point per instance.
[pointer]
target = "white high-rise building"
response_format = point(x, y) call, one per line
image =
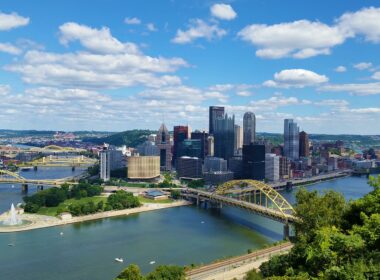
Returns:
point(105, 165)
point(110, 159)
point(272, 167)
point(291, 139)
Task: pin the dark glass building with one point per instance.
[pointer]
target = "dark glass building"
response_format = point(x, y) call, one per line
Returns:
point(180, 133)
point(304, 144)
point(254, 161)
point(215, 113)
point(224, 137)
point(202, 136)
point(190, 148)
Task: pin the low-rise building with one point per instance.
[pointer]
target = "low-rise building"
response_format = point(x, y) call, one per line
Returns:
point(156, 195)
point(189, 168)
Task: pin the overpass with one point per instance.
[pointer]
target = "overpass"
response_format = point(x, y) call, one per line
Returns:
point(251, 195)
point(15, 178)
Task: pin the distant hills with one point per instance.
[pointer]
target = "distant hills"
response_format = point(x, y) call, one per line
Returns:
point(130, 138)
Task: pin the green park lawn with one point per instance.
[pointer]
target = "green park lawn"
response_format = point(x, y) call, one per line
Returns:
point(63, 207)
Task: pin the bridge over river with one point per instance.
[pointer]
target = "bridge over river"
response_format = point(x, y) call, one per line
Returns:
point(251, 195)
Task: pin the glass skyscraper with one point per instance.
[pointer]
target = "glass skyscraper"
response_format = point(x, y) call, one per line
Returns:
point(291, 139)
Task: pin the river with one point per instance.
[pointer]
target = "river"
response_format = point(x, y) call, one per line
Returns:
point(181, 236)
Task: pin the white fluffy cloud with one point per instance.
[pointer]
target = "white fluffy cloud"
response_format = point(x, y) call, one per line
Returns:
point(223, 11)
point(97, 40)
point(151, 27)
point(363, 22)
point(298, 78)
point(304, 38)
point(133, 21)
point(9, 48)
point(357, 89)
point(376, 76)
point(13, 20)
point(198, 29)
point(363, 65)
point(340, 69)
point(109, 63)
point(4, 90)
point(299, 39)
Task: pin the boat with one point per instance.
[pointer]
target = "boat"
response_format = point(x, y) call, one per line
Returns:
point(120, 260)
point(26, 168)
point(61, 233)
point(152, 262)
point(11, 244)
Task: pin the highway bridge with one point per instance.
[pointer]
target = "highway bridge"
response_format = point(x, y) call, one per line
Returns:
point(251, 195)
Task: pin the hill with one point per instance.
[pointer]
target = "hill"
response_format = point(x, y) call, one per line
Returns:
point(130, 138)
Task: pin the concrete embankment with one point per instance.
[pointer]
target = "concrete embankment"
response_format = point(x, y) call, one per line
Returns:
point(40, 221)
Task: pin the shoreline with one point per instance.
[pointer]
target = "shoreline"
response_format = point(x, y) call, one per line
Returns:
point(42, 221)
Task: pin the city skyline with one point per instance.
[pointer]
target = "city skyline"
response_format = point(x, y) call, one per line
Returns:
point(120, 67)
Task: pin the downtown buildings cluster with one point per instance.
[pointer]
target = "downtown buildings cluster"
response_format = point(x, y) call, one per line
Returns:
point(228, 151)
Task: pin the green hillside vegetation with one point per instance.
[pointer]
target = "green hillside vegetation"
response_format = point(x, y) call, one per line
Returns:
point(335, 240)
point(130, 138)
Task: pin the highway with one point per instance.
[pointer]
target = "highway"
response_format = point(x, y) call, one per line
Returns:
point(237, 266)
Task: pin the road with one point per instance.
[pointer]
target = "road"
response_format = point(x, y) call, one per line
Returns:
point(236, 267)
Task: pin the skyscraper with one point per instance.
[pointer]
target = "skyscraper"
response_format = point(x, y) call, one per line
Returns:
point(105, 165)
point(238, 143)
point(254, 161)
point(249, 128)
point(224, 135)
point(272, 167)
point(163, 143)
point(215, 113)
point(291, 139)
point(203, 136)
point(304, 144)
point(180, 133)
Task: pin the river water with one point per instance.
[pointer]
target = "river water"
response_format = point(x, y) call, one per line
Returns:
point(181, 236)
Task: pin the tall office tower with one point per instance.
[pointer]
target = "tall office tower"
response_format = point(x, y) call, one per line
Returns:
point(249, 128)
point(203, 136)
point(105, 165)
point(180, 133)
point(254, 161)
point(215, 113)
point(189, 168)
point(238, 143)
point(164, 144)
point(272, 167)
point(291, 139)
point(224, 136)
point(210, 146)
point(304, 144)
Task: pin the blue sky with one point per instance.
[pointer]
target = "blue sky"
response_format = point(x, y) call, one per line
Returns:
point(117, 65)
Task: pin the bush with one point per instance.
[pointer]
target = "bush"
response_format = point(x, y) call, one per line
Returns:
point(31, 207)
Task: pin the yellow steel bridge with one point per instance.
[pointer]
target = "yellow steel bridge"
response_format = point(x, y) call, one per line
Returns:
point(12, 177)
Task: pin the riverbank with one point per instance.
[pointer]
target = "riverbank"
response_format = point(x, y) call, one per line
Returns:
point(42, 221)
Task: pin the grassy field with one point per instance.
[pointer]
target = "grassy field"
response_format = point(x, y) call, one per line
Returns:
point(63, 207)
point(147, 200)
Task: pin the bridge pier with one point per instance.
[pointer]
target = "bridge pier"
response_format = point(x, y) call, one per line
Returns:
point(73, 168)
point(40, 188)
point(24, 188)
point(286, 231)
point(35, 168)
point(198, 200)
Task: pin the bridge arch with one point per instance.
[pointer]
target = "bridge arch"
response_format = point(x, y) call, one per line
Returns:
point(249, 186)
point(12, 174)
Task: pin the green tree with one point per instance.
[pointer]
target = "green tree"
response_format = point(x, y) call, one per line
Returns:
point(167, 272)
point(175, 194)
point(132, 272)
